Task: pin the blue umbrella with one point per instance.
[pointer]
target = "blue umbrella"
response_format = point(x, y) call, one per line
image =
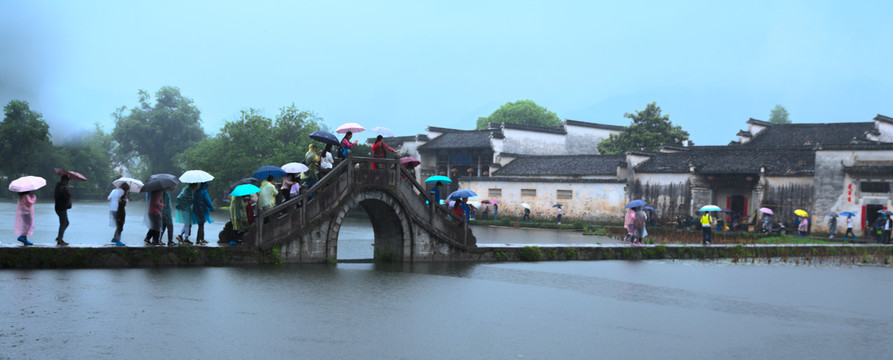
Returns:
point(458, 194)
point(325, 137)
point(245, 189)
point(710, 208)
point(636, 203)
point(649, 208)
point(266, 171)
point(847, 213)
point(437, 178)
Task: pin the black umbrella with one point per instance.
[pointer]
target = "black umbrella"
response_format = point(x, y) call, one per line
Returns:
point(557, 206)
point(159, 182)
point(244, 181)
point(325, 137)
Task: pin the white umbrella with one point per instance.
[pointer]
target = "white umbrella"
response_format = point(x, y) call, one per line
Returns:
point(195, 176)
point(294, 168)
point(134, 184)
point(27, 183)
point(382, 131)
point(525, 205)
point(352, 127)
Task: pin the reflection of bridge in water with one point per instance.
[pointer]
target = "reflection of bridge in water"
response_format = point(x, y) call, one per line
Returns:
point(407, 225)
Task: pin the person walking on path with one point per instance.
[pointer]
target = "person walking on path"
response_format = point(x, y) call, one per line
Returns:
point(849, 229)
point(117, 213)
point(495, 211)
point(154, 217)
point(629, 222)
point(803, 227)
point(832, 226)
point(24, 222)
point(167, 219)
point(202, 208)
point(311, 159)
point(640, 224)
point(707, 222)
point(378, 149)
point(63, 203)
point(267, 197)
point(559, 215)
point(184, 212)
point(346, 144)
point(887, 227)
point(526, 215)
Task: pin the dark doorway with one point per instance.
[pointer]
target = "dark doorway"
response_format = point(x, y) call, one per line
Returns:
point(738, 205)
point(871, 215)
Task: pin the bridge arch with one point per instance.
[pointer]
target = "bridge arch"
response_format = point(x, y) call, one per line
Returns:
point(391, 226)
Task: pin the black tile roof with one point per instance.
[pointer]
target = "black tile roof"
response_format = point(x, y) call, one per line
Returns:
point(795, 161)
point(811, 134)
point(593, 125)
point(541, 180)
point(460, 139)
point(879, 169)
point(883, 118)
point(544, 129)
point(562, 165)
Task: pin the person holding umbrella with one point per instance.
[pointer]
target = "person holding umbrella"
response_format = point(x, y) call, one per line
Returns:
point(155, 199)
point(117, 202)
point(436, 191)
point(346, 144)
point(63, 203)
point(849, 226)
point(832, 224)
point(24, 224)
point(526, 215)
point(167, 219)
point(707, 223)
point(240, 210)
point(267, 198)
point(185, 214)
point(202, 208)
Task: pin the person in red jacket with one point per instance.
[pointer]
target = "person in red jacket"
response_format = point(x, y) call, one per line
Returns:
point(378, 149)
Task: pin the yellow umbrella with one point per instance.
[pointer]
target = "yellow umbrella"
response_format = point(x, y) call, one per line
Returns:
point(801, 213)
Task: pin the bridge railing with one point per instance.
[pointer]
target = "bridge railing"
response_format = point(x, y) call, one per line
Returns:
point(287, 220)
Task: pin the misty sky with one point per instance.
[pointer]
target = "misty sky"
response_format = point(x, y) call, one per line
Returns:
point(408, 64)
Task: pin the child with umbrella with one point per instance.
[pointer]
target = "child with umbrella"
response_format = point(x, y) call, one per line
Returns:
point(24, 222)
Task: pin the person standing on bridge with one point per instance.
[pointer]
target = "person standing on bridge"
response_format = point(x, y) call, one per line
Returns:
point(184, 212)
point(63, 203)
point(202, 208)
point(436, 192)
point(346, 144)
point(153, 218)
point(378, 149)
point(325, 161)
point(311, 159)
point(239, 208)
point(267, 197)
point(466, 209)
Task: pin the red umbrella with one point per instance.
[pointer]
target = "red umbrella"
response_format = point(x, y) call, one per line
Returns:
point(74, 175)
point(410, 162)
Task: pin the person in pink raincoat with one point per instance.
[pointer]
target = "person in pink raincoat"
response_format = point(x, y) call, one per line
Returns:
point(24, 224)
point(629, 222)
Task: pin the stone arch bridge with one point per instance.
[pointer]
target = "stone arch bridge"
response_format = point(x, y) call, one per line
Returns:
point(408, 226)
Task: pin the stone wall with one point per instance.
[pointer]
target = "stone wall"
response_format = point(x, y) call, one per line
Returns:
point(591, 201)
point(669, 194)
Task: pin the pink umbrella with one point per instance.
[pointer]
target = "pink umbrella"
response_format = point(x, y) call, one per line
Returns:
point(27, 183)
point(74, 175)
point(409, 162)
point(767, 210)
point(352, 127)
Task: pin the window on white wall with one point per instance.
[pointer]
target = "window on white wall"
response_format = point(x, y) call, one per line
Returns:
point(565, 194)
point(528, 192)
point(494, 192)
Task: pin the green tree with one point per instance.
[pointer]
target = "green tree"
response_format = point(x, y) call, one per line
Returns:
point(647, 132)
point(24, 139)
point(250, 142)
point(521, 112)
point(90, 153)
point(779, 115)
point(155, 134)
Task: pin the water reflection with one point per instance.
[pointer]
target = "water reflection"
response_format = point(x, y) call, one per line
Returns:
point(607, 309)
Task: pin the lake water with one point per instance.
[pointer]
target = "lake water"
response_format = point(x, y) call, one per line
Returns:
point(547, 310)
